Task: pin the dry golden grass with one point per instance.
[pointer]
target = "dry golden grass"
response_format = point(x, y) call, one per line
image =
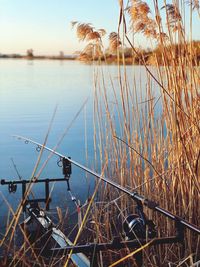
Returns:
point(156, 154)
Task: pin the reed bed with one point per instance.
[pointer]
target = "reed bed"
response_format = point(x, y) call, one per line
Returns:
point(154, 152)
point(146, 137)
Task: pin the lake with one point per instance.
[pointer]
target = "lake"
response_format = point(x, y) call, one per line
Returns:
point(30, 90)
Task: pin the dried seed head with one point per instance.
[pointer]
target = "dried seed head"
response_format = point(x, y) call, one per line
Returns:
point(114, 41)
point(83, 30)
point(137, 9)
point(144, 8)
point(173, 13)
point(93, 36)
point(140, 26)
point(174, 17)
point(139, 12)
point(102, 32)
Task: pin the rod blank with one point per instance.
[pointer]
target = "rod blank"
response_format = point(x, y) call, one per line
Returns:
point(150, 204)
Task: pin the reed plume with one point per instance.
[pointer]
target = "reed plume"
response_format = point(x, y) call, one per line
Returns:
point(141, 21)
point(86, 32)
point(114, 41)
point(174, 18)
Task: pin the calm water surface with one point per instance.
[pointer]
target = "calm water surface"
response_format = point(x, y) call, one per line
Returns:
point(29, 93)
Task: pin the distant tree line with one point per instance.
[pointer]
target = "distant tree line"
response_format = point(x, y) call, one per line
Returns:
point(150, 56)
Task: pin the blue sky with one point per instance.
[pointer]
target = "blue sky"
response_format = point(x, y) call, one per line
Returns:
point(44, 25)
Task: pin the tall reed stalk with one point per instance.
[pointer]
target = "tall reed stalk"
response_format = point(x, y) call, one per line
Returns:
point(146, 133)
point(155, 152)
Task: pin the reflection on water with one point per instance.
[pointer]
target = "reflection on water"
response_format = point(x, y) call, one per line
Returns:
point(29, 93)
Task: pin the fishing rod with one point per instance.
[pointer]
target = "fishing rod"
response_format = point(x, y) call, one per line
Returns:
point(137, 227)
point(141, 200)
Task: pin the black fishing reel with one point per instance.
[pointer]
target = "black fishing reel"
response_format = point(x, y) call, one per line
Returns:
point(135, 227)
point(138, 225)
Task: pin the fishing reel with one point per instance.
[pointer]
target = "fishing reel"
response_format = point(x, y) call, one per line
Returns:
point(137, 226)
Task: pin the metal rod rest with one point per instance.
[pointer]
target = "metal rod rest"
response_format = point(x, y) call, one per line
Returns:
point(135, 196)
point(33, 181)
point(88, 248)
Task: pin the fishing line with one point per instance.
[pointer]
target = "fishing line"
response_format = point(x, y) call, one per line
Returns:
point(60, 140)
point(15, 167)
